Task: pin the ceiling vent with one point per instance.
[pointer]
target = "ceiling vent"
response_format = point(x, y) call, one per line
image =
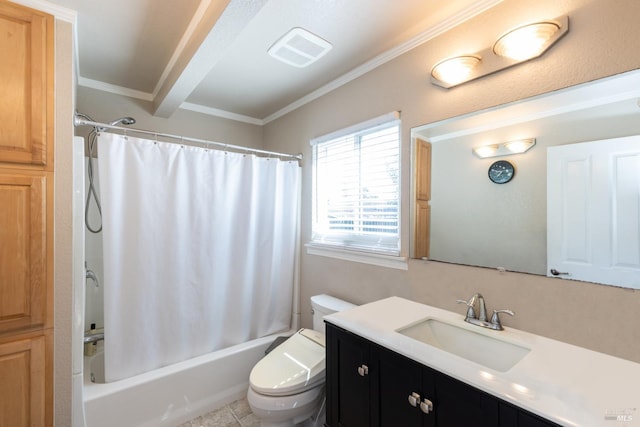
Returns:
point(299, 48)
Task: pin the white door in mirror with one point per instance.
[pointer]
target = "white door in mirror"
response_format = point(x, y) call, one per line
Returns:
point(593, 211)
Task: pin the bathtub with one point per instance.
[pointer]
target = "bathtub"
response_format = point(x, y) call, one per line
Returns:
point(173, 394)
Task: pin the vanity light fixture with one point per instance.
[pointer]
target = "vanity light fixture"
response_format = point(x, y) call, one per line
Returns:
point(455, 70)
point(514, 47)
point(507, 148)
point(526, 42)
point(486, 150)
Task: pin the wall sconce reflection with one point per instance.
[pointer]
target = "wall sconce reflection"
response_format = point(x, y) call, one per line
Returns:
point(507, 148)
point(514, 47)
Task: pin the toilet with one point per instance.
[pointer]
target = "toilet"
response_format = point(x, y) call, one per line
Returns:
point(286, 387)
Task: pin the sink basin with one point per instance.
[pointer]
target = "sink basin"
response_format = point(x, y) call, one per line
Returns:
point(491, 352)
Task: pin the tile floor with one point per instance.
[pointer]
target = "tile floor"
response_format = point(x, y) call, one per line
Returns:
point(235, 414)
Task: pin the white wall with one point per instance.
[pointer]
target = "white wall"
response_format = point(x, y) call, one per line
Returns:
point(602, 41)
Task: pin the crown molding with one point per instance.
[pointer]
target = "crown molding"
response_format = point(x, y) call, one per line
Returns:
point(428, 34)
point(477, 8)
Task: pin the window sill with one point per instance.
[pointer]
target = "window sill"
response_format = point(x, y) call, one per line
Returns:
point(380, 260)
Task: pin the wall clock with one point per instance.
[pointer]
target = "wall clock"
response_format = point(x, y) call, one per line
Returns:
point(501, 172)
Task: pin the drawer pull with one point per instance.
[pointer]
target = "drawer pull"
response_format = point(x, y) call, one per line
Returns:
point(414, 398)
point(426, 406)
point(363, 370)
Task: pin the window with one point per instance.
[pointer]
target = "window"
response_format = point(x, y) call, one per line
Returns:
point(356, 187)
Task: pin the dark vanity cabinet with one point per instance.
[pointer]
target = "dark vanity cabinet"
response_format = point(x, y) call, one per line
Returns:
point(368, 385)
point(349, 371)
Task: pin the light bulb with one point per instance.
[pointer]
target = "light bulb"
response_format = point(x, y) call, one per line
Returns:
point(525, 42)
point(486, 150)
point(519, 146)
point(455, 70)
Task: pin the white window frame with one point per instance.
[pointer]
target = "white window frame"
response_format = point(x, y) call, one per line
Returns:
point(358, 247)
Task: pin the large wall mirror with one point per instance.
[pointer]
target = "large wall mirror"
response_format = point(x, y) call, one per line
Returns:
point(474, 221)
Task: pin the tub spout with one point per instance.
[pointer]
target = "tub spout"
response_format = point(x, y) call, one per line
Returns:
point(91, 275)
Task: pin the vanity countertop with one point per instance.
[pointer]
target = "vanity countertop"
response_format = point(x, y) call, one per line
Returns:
point(569, 385)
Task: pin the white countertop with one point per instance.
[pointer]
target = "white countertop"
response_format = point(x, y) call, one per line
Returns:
point(569, 385)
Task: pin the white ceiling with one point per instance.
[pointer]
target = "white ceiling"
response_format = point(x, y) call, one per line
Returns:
point(184, 54)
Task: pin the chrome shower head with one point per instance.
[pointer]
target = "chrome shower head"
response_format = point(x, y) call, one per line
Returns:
point(124, 121)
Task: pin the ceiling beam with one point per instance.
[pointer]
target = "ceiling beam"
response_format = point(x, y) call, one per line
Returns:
point(213, 30)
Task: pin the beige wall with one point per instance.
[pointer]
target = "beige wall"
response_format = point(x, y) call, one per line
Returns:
point(63, 222)
point(105, 107)
point(602, 41)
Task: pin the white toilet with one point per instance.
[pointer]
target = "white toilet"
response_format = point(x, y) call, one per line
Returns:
point(287, 385)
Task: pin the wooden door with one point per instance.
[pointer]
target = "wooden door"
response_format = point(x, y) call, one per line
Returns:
point(422, 220)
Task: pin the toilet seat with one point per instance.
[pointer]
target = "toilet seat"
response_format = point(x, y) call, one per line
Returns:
point(296, 365)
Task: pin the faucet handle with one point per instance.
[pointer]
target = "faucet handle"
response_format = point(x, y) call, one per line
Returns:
point(495, 318)
point(471, 312)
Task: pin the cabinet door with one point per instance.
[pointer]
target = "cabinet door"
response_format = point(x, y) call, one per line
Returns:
point(403, 386)
point(349, 380)
point(26, 85)
point(510, 416)
point(22, 369)
point(23, 263)
point(460, 404)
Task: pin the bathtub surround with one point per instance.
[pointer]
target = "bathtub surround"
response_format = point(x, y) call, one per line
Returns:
point(199, 250)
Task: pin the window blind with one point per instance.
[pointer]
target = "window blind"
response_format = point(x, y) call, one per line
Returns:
point(356, 184)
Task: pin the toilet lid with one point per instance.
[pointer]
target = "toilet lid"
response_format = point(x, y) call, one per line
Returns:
point(296, 365)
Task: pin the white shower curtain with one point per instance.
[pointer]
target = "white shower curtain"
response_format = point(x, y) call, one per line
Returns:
point(199, 250)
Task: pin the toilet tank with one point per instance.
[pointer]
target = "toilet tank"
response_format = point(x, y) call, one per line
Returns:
point(323, 305)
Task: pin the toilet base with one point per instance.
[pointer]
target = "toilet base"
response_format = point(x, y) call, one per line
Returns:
point(303, 410)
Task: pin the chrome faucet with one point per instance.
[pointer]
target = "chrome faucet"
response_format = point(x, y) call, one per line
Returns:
point(91, 337)
point(91, 275)
point(479, 317)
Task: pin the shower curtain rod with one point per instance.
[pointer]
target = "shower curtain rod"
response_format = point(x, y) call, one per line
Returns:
point(79, 121)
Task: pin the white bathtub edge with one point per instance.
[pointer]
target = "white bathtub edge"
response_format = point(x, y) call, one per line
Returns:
point(177, 393)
